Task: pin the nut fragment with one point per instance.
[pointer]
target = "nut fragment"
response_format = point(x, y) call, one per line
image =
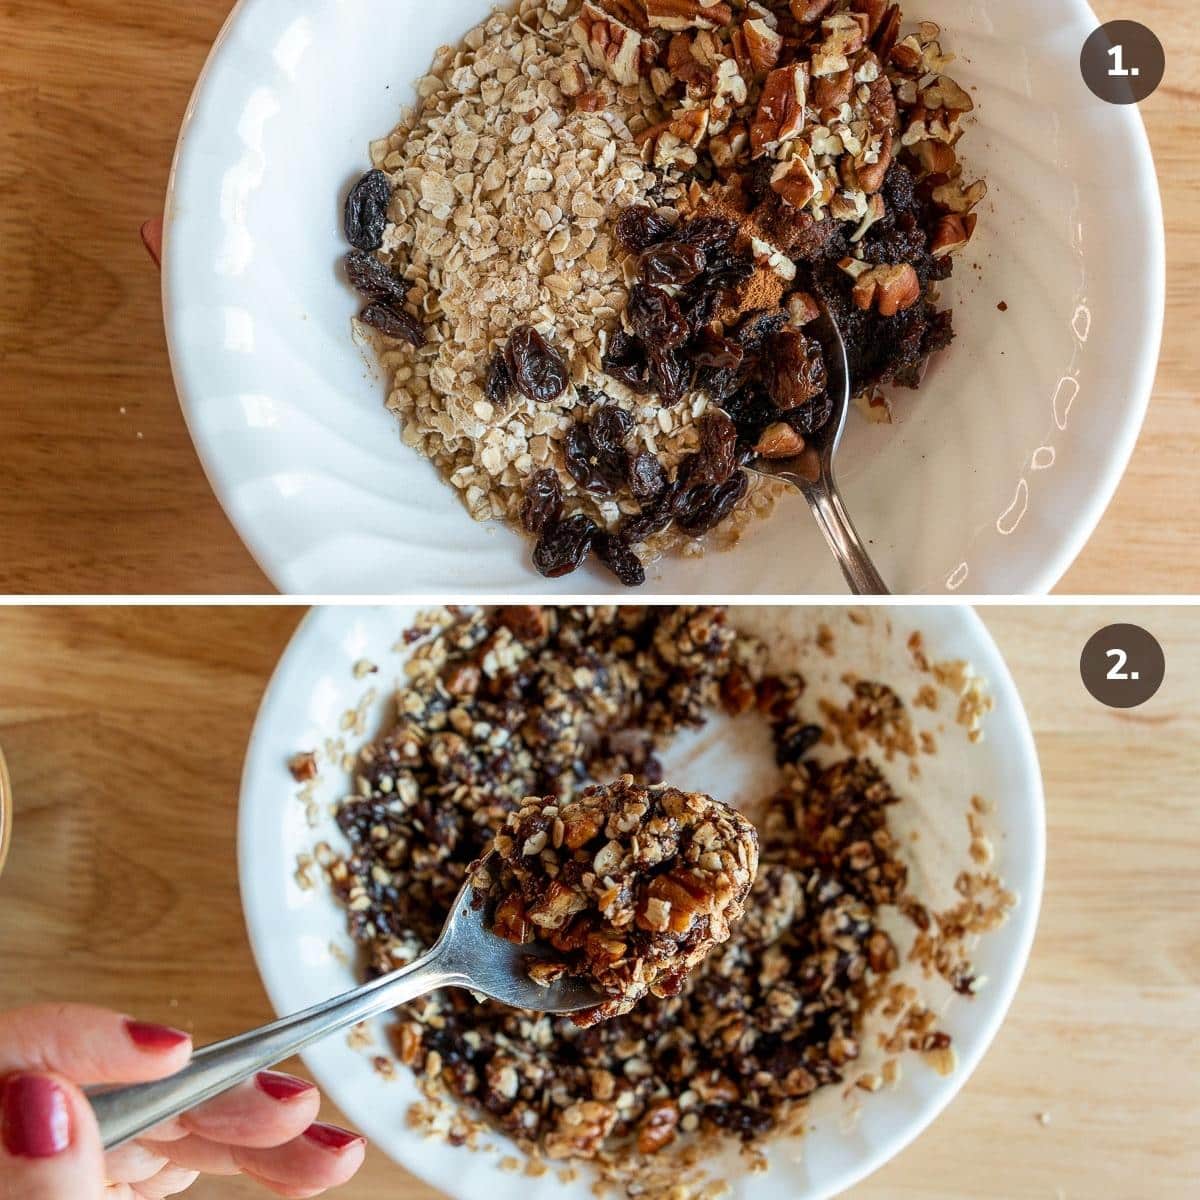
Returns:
point(687, 14)
point(780, 116)
point(608, 44)
point(889, 288)
point(303, 766)
point(779, 441)
point(952, 234)
point(658, 1126)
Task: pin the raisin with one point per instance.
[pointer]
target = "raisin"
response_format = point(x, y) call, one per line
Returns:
point(640, 227)
point(543, 501)
point(375, 280)
point(672, 264)
point(708, 507)
point(791, 745)
point(563, 547)
point(366, 210)
point(584, 463)
point(625, 359)
point(794, 369)
point(656, 318)
point(610, 430)
point(537, 369)
point(499, 383)
point(812, 416)
point(395, 322)
point(727, 269)
point(718, 448)
point(758, 326)
point(709, 233)
point(647, 479)
point(617, 555)
point(652, 519)
point(716, 352)
point(670, 375)
point(752, 412)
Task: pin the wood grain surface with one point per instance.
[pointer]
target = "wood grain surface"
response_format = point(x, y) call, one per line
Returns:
point(124, 732)
point(100, 488)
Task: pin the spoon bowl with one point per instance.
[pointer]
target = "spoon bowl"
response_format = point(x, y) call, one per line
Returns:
point(811, 471)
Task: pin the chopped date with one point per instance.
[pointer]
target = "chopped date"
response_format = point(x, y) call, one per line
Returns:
point(543, 501)
point(564, 546)
point(394, 322)
point(625, 359)
point(618, 556)
point(499, 382)
point(640, 227)
point(366, 210)
point(794, 369)
point(707, 507)
point(369, 276)
point(656, 318)
point(671, 264)
point(717, 456)
point(647, 479)
point(537, 368)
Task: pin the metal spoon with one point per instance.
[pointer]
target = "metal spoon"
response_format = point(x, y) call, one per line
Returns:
point(6, 808)
point(467, 955)
point(812, 472)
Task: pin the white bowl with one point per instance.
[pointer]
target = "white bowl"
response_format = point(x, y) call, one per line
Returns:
point(994, 478)
point(292, 929)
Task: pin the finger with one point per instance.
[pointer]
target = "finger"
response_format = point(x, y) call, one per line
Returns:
point(49, 1143)
point(324, 1156)
point(152, 235)
point(199, 1154)
point(132, 1163)
point(89, 1044)
point(268, 1110)
point(170, 1181)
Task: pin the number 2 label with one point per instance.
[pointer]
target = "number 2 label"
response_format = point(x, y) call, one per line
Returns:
point(1117, 670)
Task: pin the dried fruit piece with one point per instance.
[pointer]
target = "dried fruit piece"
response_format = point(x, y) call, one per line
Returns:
point(794, 369)
point(543, 501)
point(640, 227)
point(672, 264)
point(656, 318)
point(366, 210)
point(563, 547)
point(670, 375)
point(617, 555)
point(369, 276)
point(394, 322)
point(586, 465)
point(499, 383)
point(647, 479)
point(611, 426)
point(537, 369)
point(717, 456)
point(708, 507)
point(654, 518)
point(710, 233)
point(625, 359)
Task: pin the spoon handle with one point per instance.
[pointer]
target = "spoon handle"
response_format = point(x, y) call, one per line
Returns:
point(128, 1112)
point(826, 503)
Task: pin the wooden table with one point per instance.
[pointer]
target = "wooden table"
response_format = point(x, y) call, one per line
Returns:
point(124, 732)
point(101, 489)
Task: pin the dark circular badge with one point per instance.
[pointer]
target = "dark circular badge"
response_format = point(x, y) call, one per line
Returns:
point(1122, 666)
point(1123, 62)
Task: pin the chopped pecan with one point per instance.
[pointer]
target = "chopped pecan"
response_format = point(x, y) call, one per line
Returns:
point(687, 14)
point(303, 766)
point(795, 182)
point(658, 1126)
point(953, 197)
point(871, 174)
point(889, 288)
point(609, 44)
point(763, 46)
point(580, 1130)
point(808, 11)
point(780, 116)
point(779, 441)
point(845, 34)
point(953, 232)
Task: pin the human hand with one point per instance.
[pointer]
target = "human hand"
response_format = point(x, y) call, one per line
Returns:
point(50, 1145)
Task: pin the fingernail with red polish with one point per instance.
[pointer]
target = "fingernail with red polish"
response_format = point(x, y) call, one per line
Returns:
point(331, 1136)
point(35, 1117)
point(155, 1037)
point(282, 1087)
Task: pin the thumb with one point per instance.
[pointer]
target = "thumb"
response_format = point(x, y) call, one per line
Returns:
point(49, 1143)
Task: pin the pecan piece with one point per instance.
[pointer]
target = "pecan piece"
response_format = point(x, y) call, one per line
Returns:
point(953, 232)
point(763, 46)
point(889, 288)
point(780, 116)
point(779, 441)
point(608, 44)
point(658, 1126)
point(687, 14)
